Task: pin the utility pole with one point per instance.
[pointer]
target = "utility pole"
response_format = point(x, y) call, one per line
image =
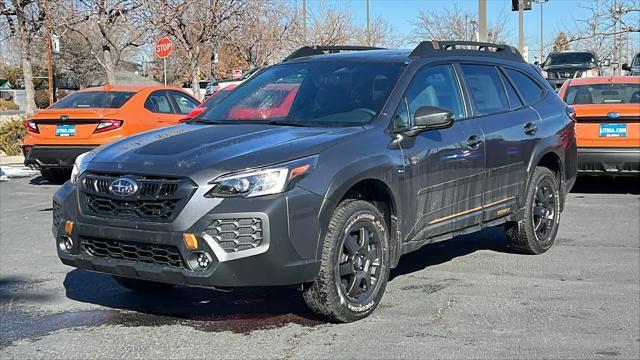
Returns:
point(304, 20)
point(521, 26)
point(482, 20)
point(541, 2)
point(52, 90)
point(368, 30)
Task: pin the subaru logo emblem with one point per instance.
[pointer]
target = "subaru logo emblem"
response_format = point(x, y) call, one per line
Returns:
point(613, 115)
point(64, 117)
point(123, 187)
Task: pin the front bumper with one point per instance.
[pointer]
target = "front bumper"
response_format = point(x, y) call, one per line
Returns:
point(285, 256)
point(611, 161)
point(44, 156)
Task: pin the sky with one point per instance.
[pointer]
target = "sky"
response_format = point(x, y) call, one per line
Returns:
point(558, 15)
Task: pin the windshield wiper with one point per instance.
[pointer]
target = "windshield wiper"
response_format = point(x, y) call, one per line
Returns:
point(286, 123)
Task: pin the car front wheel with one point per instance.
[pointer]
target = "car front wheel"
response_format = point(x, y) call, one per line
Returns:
point(355, 264)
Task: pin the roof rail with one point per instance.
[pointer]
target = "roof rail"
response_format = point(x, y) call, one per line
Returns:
point(433, 47)
point(320, 50)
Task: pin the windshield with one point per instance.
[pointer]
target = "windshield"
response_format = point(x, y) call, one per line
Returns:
point(603, 94)
point(569, 58)
point(636, 60)
point(94, 99)
point(310, 94)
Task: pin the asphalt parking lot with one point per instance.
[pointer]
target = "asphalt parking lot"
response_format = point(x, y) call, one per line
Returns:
point(467, 298)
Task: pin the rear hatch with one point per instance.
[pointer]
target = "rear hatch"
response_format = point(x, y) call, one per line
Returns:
point(61, 125)
point(608, 125)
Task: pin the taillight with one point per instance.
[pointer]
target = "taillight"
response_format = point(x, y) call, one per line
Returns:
point(31, 126)
point(571, 112)
point(107, 125)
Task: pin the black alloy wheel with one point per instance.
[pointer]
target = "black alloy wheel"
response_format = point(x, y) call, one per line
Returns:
point(359, 265)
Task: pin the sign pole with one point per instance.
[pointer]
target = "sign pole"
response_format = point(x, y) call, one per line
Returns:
point(164, 60)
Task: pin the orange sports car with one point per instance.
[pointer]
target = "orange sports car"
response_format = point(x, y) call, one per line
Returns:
point(607, 123)
point(95, 116)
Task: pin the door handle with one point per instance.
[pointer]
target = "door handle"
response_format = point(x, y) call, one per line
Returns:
point(473, 142)
point(530, 128)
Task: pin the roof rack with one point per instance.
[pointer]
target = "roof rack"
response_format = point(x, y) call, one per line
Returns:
point(320, 50)
point(434, 47)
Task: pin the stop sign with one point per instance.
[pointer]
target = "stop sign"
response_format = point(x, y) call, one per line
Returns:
point(163, 47)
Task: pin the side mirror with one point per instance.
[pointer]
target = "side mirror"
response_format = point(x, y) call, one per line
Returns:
point(626, 66)
point(430, 117)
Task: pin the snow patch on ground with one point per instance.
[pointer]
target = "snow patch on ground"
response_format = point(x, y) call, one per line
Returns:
point(16, 171)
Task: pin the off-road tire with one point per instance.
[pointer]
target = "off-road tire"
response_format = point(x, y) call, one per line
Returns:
point(326, 296)
point(142, 286)
point(56, 176)
point(522, 234)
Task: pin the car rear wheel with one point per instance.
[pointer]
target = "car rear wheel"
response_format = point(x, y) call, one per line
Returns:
point(56, 176)
point(138, 285)
point(355, 264)
point(536, 233)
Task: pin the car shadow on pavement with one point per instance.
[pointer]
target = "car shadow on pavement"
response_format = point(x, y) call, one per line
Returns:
point(607, 185)
point(241, 310)
point(492, 239)
point(39, 180)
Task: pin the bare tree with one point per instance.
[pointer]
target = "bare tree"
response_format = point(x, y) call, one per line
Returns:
point(603, 29)
point(262, 32)
point(24, 19)
point(560, 42)
point(453, 23)
point(380, 34)
point(108, 28)
point(194, 25)
point(326, 25)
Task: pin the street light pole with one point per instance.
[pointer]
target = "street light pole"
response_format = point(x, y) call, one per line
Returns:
point(50, 59)
point(541, 2)
point(368, 29)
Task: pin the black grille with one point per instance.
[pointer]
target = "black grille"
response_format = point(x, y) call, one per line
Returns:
point(161, 255)
point(236, 234)
point(561, 74)
point(152, 210)
point(157, 199)
point(57, 215)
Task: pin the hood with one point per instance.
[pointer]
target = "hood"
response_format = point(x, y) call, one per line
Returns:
point(202, 152)
point(75, 113)
point(568, 67)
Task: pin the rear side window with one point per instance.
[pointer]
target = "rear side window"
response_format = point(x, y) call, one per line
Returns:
point(184, 102)
point(514, 100)
point(94, 99)
point(486, 89)
point(158, 102)
point(528, 88)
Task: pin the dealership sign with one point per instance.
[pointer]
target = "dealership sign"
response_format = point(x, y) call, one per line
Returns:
point(163, 47)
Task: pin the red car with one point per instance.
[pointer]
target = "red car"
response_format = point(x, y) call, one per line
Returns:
point(275, 104)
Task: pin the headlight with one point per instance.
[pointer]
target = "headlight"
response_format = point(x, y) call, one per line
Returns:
point(272, 180)
point(591, 73)
point(78, 167)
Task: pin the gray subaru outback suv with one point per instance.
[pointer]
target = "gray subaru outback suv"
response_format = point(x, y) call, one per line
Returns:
point(322, 171)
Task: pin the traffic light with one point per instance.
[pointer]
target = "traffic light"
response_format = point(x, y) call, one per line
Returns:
point(526, 5)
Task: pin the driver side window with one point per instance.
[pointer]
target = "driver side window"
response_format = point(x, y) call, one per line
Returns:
point(434, 86)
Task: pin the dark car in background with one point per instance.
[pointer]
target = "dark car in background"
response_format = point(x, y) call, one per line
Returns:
point(323, 170)
point(558, 67)
point(633, 68)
